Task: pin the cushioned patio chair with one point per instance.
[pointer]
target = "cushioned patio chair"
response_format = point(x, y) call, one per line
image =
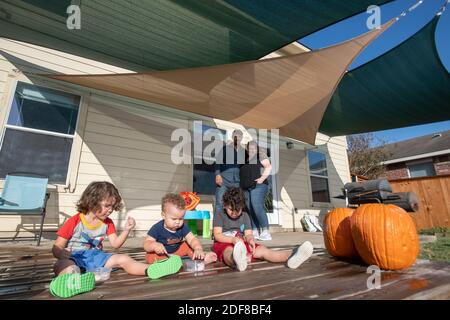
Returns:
point(25, 194)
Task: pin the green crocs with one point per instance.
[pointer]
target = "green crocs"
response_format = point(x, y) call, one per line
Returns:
point(165, 267)
point(71, 284)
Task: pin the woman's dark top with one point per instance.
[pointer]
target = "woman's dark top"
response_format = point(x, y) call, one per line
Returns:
point(250, 171)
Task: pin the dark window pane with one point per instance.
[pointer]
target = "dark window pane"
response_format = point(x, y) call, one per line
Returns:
point(45, 109)
point(319, 187)
point(37, 153)
point(204, 180)
point(317, 163)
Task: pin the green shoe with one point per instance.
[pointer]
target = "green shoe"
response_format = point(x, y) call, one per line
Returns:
point(71, 284)
point(165, 267)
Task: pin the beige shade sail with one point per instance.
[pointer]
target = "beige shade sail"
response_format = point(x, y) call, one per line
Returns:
point(289, 93)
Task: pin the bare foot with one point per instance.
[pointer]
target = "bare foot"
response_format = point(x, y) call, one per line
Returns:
point(210, 257)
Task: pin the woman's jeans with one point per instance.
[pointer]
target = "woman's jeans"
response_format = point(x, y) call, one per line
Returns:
point(254, 199)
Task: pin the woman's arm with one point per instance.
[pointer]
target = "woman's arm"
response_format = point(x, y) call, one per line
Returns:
point(267, 168)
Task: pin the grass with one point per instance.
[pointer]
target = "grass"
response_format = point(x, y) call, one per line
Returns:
point(438, 250)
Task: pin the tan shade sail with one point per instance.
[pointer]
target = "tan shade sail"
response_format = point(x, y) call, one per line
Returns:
point(289, 93)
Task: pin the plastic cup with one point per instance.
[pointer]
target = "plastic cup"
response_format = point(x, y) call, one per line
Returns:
point(101, 274)
point(193, 265)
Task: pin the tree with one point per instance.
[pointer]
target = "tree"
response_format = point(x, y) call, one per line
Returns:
point(365, 155)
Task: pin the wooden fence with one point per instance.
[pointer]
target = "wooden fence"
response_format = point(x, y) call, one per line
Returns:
point(433, 194)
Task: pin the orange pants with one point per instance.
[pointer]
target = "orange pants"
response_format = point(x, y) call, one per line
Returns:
point(183, 250)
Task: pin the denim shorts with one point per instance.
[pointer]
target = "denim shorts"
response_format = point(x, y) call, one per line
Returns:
point(90, 259)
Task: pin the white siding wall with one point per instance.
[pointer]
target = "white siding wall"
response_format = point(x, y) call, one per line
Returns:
point(129, 144)
point(130, 150)
point(294, 182)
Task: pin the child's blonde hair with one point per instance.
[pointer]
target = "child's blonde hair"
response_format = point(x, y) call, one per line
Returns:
point(95, 193)
point(174, 199)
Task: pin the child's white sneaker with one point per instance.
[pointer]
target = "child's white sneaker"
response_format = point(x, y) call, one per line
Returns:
point(265, 236)
point(256, 234)
point(300, 255)
point(240, 256)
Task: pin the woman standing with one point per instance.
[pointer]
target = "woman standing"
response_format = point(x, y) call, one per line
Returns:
point(253, 180)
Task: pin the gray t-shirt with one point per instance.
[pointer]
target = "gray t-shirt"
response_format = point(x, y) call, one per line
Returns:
point(230, 227)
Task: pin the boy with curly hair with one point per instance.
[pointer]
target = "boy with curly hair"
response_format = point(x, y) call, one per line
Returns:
point(234, 240)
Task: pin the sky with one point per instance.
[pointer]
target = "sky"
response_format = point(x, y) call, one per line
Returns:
point(408, 24)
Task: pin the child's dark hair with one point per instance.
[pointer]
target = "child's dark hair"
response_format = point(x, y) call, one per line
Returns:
point(234, 198)
point(95, 193)
point(175, 199)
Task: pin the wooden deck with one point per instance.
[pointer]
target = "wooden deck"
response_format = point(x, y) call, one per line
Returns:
point(25, 273)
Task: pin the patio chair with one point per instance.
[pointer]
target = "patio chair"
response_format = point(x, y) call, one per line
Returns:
point(25, 194)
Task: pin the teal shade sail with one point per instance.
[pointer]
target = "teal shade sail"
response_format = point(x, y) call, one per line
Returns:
point(406, 86)
point(144, 35)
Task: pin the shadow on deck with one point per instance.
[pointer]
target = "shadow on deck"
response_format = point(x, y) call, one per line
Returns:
point(25, 273)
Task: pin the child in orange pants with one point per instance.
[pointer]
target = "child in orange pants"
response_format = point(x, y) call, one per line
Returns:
point(172, 236)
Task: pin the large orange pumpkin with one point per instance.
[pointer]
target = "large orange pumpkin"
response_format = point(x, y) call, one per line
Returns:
point(337, 233)
point(385, 235)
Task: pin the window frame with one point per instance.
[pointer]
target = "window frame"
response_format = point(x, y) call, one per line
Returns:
point(75, 152)
point(320, 203)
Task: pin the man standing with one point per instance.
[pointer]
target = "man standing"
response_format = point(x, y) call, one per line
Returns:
point(228, 161)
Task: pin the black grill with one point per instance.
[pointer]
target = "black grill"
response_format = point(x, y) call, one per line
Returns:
point(378, 191)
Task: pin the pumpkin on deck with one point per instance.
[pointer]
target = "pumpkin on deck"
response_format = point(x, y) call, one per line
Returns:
point(337, 233)
point(385, 235)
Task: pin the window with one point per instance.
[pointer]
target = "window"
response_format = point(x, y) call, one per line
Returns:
point(319, 177)
point(204, 180)
point(39, 132)
point(425, 169)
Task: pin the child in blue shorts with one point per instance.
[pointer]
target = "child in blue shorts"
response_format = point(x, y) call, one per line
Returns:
point(79, 246)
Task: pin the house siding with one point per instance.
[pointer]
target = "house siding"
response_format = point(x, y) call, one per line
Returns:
point(400, 170)
point(442, 165)
point(397, 171)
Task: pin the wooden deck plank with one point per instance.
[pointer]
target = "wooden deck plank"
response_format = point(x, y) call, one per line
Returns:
point(26, 274)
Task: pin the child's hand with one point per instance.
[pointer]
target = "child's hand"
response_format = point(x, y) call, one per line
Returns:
point(131, 223)
point(198, 254)
point(252, 245)
point(160, 249)
point(236, 240)
point(65, 253)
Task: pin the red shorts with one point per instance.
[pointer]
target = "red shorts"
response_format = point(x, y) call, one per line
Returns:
point(219, 248)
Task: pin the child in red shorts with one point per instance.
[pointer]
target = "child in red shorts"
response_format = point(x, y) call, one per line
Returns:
point(234, 237)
